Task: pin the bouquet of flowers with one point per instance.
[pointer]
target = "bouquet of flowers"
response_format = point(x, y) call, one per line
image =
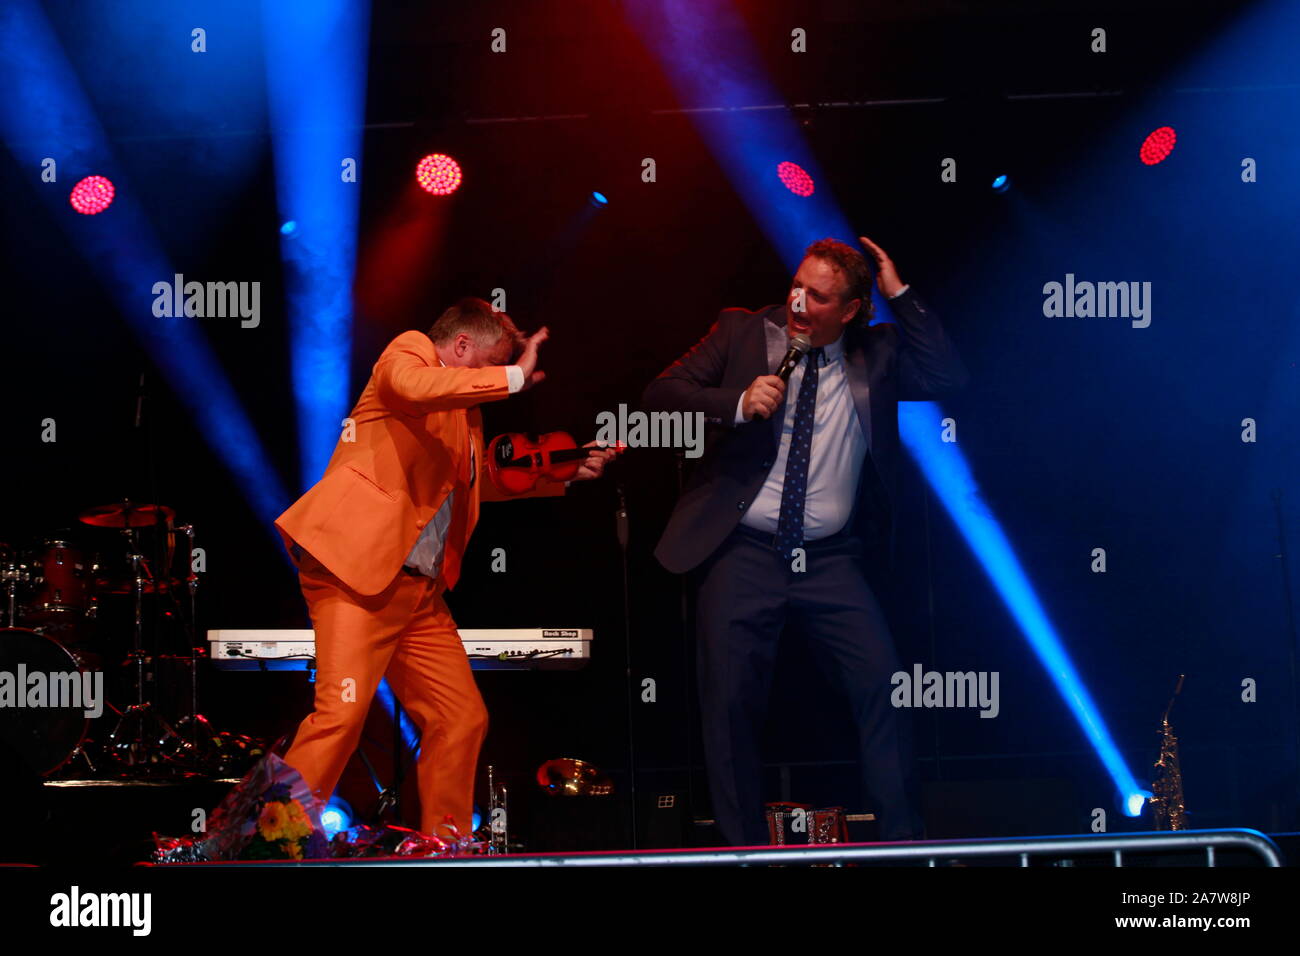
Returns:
point(285, 829)
point(272, 815)
point(269, 815)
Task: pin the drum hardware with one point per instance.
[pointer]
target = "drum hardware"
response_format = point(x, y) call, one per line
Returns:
point(81, 763)
point(50, 589)
point(204, 742)
point(196, 743)
point(117, 572)
point(12, 572)
point(141, 738)
point(57, 587)
point(569, 777)
point(53, 588)
point(125, 514)
point(390, 797)
point(141, 733)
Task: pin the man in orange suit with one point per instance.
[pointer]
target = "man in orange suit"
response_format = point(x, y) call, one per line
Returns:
point(380, 538)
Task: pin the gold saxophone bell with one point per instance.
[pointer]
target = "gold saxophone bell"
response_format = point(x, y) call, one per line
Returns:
point(569, 777)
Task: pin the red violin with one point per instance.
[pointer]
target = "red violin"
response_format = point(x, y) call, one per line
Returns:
point(517, 462)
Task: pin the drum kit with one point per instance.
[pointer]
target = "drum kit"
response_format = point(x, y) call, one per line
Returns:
point(110, 598)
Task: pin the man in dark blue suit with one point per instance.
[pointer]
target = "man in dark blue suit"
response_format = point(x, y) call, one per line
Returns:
point(789, 507)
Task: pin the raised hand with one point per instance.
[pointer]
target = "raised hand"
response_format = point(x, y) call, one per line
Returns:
point(528, 360)
point(886, 275)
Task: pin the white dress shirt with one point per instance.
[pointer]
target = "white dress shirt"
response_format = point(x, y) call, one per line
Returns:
point(838, 450)
point(426, 556)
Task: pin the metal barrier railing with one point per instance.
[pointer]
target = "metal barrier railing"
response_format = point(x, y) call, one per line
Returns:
point(1017, 849)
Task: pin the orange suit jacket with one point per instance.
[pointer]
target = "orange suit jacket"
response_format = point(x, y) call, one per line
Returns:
point(414, 426)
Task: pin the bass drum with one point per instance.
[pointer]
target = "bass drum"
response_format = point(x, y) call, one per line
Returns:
point(43, 737)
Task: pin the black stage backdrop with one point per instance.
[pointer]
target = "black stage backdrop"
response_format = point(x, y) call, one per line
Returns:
point(1080, 433)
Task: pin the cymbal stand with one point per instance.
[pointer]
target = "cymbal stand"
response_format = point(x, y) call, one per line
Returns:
point(201, 742)
point(127, 742)
point(12, 573)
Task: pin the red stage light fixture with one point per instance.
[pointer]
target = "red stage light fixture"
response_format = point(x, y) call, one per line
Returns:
point(1158, 145)
point(438, 174)
point(795, 178)
point(92, 195)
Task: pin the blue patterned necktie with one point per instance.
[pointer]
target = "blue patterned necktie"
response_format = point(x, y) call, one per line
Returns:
point(789, 526)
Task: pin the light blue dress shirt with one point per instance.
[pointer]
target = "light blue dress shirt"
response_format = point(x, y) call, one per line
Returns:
point(838, 450)
point(426, 556)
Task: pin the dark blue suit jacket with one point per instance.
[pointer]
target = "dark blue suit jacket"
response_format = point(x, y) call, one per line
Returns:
point(887, 363)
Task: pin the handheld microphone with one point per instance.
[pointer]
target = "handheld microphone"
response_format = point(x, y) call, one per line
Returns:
point(799, 346)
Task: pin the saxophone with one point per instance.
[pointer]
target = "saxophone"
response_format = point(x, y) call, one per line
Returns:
point(1167, 789)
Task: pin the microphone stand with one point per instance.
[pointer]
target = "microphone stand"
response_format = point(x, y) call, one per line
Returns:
point(390, 797)
point(621, 527)
point(687, 673)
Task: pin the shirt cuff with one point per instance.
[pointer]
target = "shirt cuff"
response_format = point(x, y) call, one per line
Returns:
point(514, 378)
point(900, 292)
point(740, 410)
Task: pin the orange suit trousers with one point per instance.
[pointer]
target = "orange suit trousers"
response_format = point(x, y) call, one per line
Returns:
point(405, 633)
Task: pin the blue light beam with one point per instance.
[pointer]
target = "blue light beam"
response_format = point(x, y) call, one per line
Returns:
point(719, 78)
point(717, 75)
point(920, 427)
point(316, 84)
point(45, 113)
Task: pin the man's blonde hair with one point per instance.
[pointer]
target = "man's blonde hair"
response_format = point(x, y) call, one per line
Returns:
point(475, 318)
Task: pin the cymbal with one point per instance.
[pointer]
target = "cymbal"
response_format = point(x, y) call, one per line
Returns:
point(126, 514)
